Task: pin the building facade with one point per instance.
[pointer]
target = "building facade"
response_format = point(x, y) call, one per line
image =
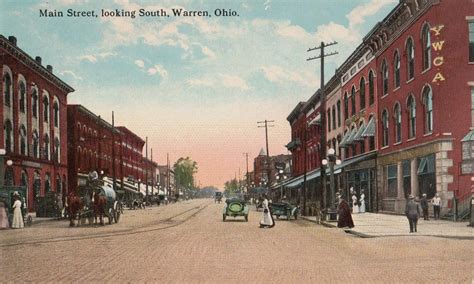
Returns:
point(34, 123)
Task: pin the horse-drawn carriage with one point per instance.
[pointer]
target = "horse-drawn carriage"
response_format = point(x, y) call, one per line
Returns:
point(94, 199)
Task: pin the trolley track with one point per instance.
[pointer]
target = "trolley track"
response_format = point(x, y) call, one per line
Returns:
point(169, 222)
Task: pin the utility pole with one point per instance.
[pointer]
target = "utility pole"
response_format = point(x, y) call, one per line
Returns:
point(152, 173)
point(247, 175)
point(265, 122)
point(113, 153)
point(146, 170)
point(323, 115)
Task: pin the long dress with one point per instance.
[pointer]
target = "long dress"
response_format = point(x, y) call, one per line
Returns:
point(267, 218)
point(362, 203)
point(345, 217)
point(355, 207)
point(17, 216)
point(3, 216)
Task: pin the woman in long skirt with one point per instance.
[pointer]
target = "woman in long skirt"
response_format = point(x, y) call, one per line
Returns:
point(17, 215)
point(267, 218)
point(3, 215)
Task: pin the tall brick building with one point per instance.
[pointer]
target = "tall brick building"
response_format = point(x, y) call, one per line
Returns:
point(33, 118)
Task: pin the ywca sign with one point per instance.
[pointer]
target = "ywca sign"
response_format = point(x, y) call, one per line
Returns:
point(439, 59)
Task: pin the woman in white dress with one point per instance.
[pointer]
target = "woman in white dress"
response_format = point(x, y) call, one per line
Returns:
point(362, 202)
point(267, 218)
point(355, 206)
point(3, 215)
point(17, 222)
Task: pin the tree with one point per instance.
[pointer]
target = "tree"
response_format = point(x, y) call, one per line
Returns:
point(231, 187)
point(184, 170)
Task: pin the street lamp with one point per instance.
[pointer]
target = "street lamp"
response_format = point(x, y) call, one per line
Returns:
point(330, 161)
point(280, 178)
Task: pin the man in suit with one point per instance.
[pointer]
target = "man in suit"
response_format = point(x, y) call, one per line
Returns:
point(412, 211)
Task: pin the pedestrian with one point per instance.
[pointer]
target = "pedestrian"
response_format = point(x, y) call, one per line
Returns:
point(17, 222)
point(355, 203)
point(362, 202)
point(436, 201)
point(345, 218)
point(3, 214)
point(59, 205)
point(267, 217)
point(424, 207)
point(412, 211)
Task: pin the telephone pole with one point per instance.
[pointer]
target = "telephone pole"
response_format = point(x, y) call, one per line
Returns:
point(247, 174)
point(323, 117)
point(265, 124)
point(113, 153)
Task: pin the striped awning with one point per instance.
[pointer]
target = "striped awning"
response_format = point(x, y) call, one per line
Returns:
point(344, 139)
point(350, 139)
point(370, 129)
point(358, 136)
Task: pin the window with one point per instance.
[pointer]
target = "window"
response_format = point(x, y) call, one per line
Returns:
point(346, 106)
point(7, 87)
point(362, 93)
point(371, 88)
point(56, 114)
point(384, 78)
point(353, 101)
point(329, 119)
point(333, 117)
point(46, 147)
point(8, 136)
point(338, 113)
point(392, 180)
point(47, 183)
point(35, 144)
point(471, 42)
point(34, 103)
point(428, 104)
point(56, 149)
point(411, 117)
point(385, 128)
point(45, 109)
point(371, 137)
point(410, 59)
point(426, 41)
point(396, 70)
point(427, 175)
point(23, 140)
point(22, 96)
point(362, 141)
point(398, 123)
point(406, 171)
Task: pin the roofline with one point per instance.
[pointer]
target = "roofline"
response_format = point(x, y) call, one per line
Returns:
point(97, 117)
point(123, 128)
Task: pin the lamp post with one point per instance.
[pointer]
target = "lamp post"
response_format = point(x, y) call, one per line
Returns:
point(280, 178)
point(330, 160)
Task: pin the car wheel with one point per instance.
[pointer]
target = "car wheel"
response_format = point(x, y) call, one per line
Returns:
point(223, 217)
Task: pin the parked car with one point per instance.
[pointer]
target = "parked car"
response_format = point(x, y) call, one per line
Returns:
point(284, 209)
point(218, 197)
point(235, 207)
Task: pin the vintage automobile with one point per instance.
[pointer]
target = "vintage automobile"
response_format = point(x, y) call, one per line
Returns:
point(218, 197)
point(235, 207)
point(284, 209)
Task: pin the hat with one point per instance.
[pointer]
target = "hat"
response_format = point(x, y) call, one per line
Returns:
point(424, 194)
point(16, 193)
point(411, 197)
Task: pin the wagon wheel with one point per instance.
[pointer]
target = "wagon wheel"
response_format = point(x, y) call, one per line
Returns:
point(110, 215)
point(118, 211)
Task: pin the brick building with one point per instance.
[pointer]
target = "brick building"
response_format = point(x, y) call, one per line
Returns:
point(33, 117)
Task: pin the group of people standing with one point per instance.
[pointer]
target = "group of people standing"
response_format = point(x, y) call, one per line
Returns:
point(17, 221)
point(412, 210)
point(358, 203)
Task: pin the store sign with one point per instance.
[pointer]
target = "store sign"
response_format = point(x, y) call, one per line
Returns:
point(439, 59)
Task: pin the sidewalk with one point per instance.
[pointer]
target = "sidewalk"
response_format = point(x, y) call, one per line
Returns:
point(370, 225)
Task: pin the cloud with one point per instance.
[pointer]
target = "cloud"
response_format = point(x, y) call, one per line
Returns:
point(158, 69)
point(93, 58)
point(208, 52)
point(266, 5)
point(358, 15)
point(70, 73)
point(140, 63)
point(200, 82)
point(233, 81)
point(90, 58)
point(278, 74)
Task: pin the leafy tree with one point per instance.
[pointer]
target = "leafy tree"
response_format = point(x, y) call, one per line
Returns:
point(184, 170)
point(231, 187)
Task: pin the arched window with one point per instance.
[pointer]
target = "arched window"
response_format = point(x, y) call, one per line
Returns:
point(362, 93)
point(346, 106)
point(426, 42)
point(333, 117)
point(47, 183)
point(24, 178)
point(329, 119)
point(56, 114)
point(410, 59)
point(56, 149)
point(35, 144)
point(7, 88)
point(45, 109)
point(371, 88)
point(353, 101)
point(384, 128)
point(23, 140)
point(398, 123)
point(371, 138)
point(396, 70)
point(34, 103)
point(411, 117)
point(8, 136)
point(22, 97)
point(46, 147)
point(58, 184)
point(384, 78)
point(338, 113)
point(428, 104)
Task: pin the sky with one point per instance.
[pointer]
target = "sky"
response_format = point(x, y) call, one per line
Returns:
point(195, 86)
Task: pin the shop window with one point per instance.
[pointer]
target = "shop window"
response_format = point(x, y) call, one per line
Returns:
point(392, 181)
point(371, 88)
point(427, 175)
point(362, 93)
point(426, 41)
point(410, 49)
point(396, 70)
point(406, 168)
point(411, 117)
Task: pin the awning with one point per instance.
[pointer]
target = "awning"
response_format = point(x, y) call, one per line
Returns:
point(316, 120)
point(468, 137)
point(345, 163)
point(297, 181)
point(358, 135)
point(370, 129)
point(293, 144)
point(350, 139)
point(344, 139)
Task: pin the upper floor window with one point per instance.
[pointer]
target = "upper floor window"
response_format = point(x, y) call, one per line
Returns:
point(329, 119)
point(396, 70)
point(346, 106)
point(353, 101)
point(35, 144)
point(411, 117)
point(45, 109)
point(23, 140)
point(426, 41)
point(362, 93)
point(410, 59)
point(22, 90)
point(34, 103)
point(385, 128)
point(398, 123)
point(471, 41)
point(338, 105)
point(428, 104)
point(56, 114)
point(7, 87)
point(384, 78)
point(8, 136)
point(333, 117)
point(46, 147)
point(371, 88)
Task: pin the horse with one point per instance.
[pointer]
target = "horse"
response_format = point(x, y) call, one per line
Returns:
point(75, 205)
point(99, 205)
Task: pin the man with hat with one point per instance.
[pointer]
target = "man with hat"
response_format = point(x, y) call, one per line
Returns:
point(424, 207)
point(412, 211)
